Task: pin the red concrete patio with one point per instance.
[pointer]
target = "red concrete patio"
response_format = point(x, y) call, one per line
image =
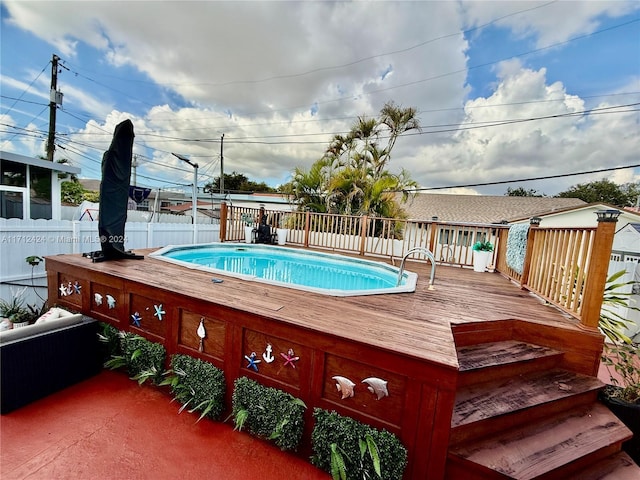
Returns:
point(108, 427)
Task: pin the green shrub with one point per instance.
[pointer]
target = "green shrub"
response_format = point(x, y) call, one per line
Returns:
point(143, 359)
point(268, 413)
point(198, 385)
point(347, 448)
point(110, 340)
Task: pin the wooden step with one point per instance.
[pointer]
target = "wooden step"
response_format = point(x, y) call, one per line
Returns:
point(615, 467)
point(494, 360)
point(488, 407)
point(555, 447)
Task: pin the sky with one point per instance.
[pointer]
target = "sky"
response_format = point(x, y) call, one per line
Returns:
point(505, 91)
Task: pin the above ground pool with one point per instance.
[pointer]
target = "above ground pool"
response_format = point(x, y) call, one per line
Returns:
point(324, 273)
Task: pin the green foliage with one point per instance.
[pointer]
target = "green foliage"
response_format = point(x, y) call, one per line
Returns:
point(352, 177)
point(196, 384)
point(351, 450)
point(522, 192)
point(237, 182)
point(620, 355)
point(109, 338)
point(73, 193)
point(483, 246)
point(604, 191)
point(15, 304)
point(143, 359)
point(268, 413)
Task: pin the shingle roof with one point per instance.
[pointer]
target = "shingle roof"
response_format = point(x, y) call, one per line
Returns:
point(483, 208)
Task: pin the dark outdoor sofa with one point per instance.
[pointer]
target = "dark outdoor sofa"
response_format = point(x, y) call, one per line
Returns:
point(38, 360)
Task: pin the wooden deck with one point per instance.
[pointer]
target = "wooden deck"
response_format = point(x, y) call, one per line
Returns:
point(409, 339)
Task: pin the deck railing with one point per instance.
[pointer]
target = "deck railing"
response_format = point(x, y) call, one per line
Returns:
point(565, 266)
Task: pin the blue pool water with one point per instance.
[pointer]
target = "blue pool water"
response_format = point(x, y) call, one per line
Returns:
point(324, 273)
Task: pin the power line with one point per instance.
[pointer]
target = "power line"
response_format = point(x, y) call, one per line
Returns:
point(531, 179)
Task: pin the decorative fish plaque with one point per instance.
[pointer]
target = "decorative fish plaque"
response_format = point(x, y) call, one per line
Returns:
point(344, 386)
point(377, 386)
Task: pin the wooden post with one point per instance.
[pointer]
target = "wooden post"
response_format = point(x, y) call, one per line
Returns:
point(597, 271)
point(223, 221)
point(433, 235)
point(534, 224)
point(307, 227)
point(363, 232)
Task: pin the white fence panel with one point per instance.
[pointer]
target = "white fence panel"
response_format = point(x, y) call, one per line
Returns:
point(22, 238)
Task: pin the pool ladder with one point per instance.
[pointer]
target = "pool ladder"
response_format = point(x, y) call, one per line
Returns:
point(429, 255)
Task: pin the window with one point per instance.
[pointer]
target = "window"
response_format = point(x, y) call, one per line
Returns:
point(13, 174)
point(40, 189)
point(11, 204)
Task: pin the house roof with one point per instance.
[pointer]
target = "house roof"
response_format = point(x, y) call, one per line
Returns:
point(483, 208)
point(38, 162)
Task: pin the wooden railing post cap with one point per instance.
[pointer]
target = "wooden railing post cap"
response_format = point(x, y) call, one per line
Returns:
point(608, 215)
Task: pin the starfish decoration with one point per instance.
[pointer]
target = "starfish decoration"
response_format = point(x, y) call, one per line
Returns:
point(63, 290)
point(111, 302)
point(253, 361)
point(77, 287)
point(98, 299)
point(159, 311)
point(289, 358)
point(136, 319)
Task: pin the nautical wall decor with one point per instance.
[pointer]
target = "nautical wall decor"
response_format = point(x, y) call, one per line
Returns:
point(135, 318)
point(268, 354)
point(344, 386)
point(202, 333)
point(377, 386)
point(159, 311)
point(290, 358)
point(253, 361)
point(111, 302)
point(97, 298)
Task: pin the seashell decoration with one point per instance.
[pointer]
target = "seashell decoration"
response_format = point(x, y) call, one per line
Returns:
point(377, 386)
point(202, 333)
point(344, 386)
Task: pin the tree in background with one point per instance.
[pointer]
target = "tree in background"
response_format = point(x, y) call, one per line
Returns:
point(352, 177)
point(522, 192)
point(237, 182)
point(605, 191)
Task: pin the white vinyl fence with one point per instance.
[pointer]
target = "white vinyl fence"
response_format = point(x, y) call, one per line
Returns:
point(20, 239)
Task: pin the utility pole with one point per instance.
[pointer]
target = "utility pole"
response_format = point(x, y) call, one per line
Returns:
point(55, 98)
point(134, 164)
point(194, 194)
point(221, 166)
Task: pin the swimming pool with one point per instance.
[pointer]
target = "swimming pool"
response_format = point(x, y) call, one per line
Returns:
point(318, 272)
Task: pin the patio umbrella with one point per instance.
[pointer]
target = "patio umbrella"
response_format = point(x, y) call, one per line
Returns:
point(114, 194)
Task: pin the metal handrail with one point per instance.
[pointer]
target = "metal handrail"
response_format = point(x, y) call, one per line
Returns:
point(429, 255)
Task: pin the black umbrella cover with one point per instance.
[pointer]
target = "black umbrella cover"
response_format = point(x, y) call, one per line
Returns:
point(114, 191)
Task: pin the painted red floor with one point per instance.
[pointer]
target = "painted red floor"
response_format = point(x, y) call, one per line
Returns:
point(108, 427)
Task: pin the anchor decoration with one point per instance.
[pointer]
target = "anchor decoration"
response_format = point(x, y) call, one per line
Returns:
point(344, 386)
point(135, 318)
point(202, 333)
point(289, 358)
point(267, 355)
point(77, 288)
point(111, 302)
point(159, 311)
point(253, 361)
point(97, 298)
point(377, 386)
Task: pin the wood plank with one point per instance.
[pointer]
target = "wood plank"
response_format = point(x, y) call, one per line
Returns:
point(501, 397)
point(537, 449)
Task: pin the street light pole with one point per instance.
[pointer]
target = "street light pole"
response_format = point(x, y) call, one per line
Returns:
point(194, 194)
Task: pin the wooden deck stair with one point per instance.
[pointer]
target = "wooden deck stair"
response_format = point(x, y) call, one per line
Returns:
point(518, 415)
